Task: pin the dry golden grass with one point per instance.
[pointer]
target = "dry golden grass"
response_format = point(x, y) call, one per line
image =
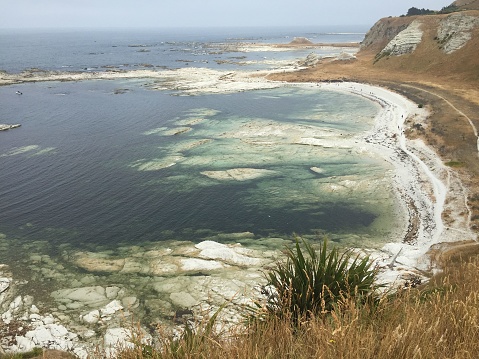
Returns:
point(440, 320)
point(468, 4)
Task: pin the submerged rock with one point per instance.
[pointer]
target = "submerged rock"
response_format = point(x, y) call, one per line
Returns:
point(239, 174)
point(232, 255)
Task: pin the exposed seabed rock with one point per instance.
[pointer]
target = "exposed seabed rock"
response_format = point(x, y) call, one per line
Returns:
point(5, 127)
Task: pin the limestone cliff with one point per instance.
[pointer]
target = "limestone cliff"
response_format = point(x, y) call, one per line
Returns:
point(435, 44)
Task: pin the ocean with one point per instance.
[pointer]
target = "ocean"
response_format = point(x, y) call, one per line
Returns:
point(103, 165)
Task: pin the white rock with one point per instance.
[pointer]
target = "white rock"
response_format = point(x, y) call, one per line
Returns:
point(58, 331)
point(89, 333)
point(34, 317)
point(34, 309)
point(91, 317)
point(48, 319)
point(24, 344)
point(196, 264)
point(214, 250)
point(111, 308)
point(115, 339)
point(52, 336)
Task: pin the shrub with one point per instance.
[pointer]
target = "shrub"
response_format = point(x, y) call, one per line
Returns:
point(313, 283)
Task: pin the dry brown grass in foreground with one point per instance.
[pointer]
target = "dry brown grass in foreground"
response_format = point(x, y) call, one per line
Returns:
point(440, 320)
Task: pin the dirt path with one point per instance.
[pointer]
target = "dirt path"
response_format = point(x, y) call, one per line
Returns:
point(474, 129)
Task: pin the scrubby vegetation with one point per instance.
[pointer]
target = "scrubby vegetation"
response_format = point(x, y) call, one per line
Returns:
point(445, 10)
point(440, 320)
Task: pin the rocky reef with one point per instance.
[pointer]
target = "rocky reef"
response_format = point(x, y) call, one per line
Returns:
point(5, 127)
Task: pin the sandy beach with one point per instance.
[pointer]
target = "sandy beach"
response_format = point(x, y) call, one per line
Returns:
point(425, 186)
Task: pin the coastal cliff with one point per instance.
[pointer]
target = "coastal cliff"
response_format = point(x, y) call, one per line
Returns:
point(442, 44)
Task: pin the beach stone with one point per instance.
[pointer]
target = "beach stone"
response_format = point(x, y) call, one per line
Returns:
point(118, 338)
point(183, 300)
point(91, 317)
point(53, 336)
point(158, 306)
point(317, 169)
point(89, 333)
point(48, 319)
point(34, 317)
point(111, 308)
point(134, 265)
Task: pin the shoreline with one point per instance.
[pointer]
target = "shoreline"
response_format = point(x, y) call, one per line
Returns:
point(423, 183)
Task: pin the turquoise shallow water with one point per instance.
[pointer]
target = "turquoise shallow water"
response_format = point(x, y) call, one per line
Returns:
point(93, 168)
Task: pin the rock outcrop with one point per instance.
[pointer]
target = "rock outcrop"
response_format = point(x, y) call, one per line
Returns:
point(455, 31)
point(404, 42)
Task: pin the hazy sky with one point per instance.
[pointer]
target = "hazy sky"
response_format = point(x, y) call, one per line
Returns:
point(201, 13)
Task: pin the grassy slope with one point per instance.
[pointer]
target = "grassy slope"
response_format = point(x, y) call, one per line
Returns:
point(467, 4)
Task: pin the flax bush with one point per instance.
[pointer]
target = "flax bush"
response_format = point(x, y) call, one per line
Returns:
point(311, 283)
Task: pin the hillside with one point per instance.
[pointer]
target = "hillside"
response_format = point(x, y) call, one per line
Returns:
point(467, 4)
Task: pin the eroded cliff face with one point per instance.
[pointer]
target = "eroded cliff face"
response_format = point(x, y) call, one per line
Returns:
point(399, 36)
point(384, 31)
point(405, 41)
point(455, 31)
